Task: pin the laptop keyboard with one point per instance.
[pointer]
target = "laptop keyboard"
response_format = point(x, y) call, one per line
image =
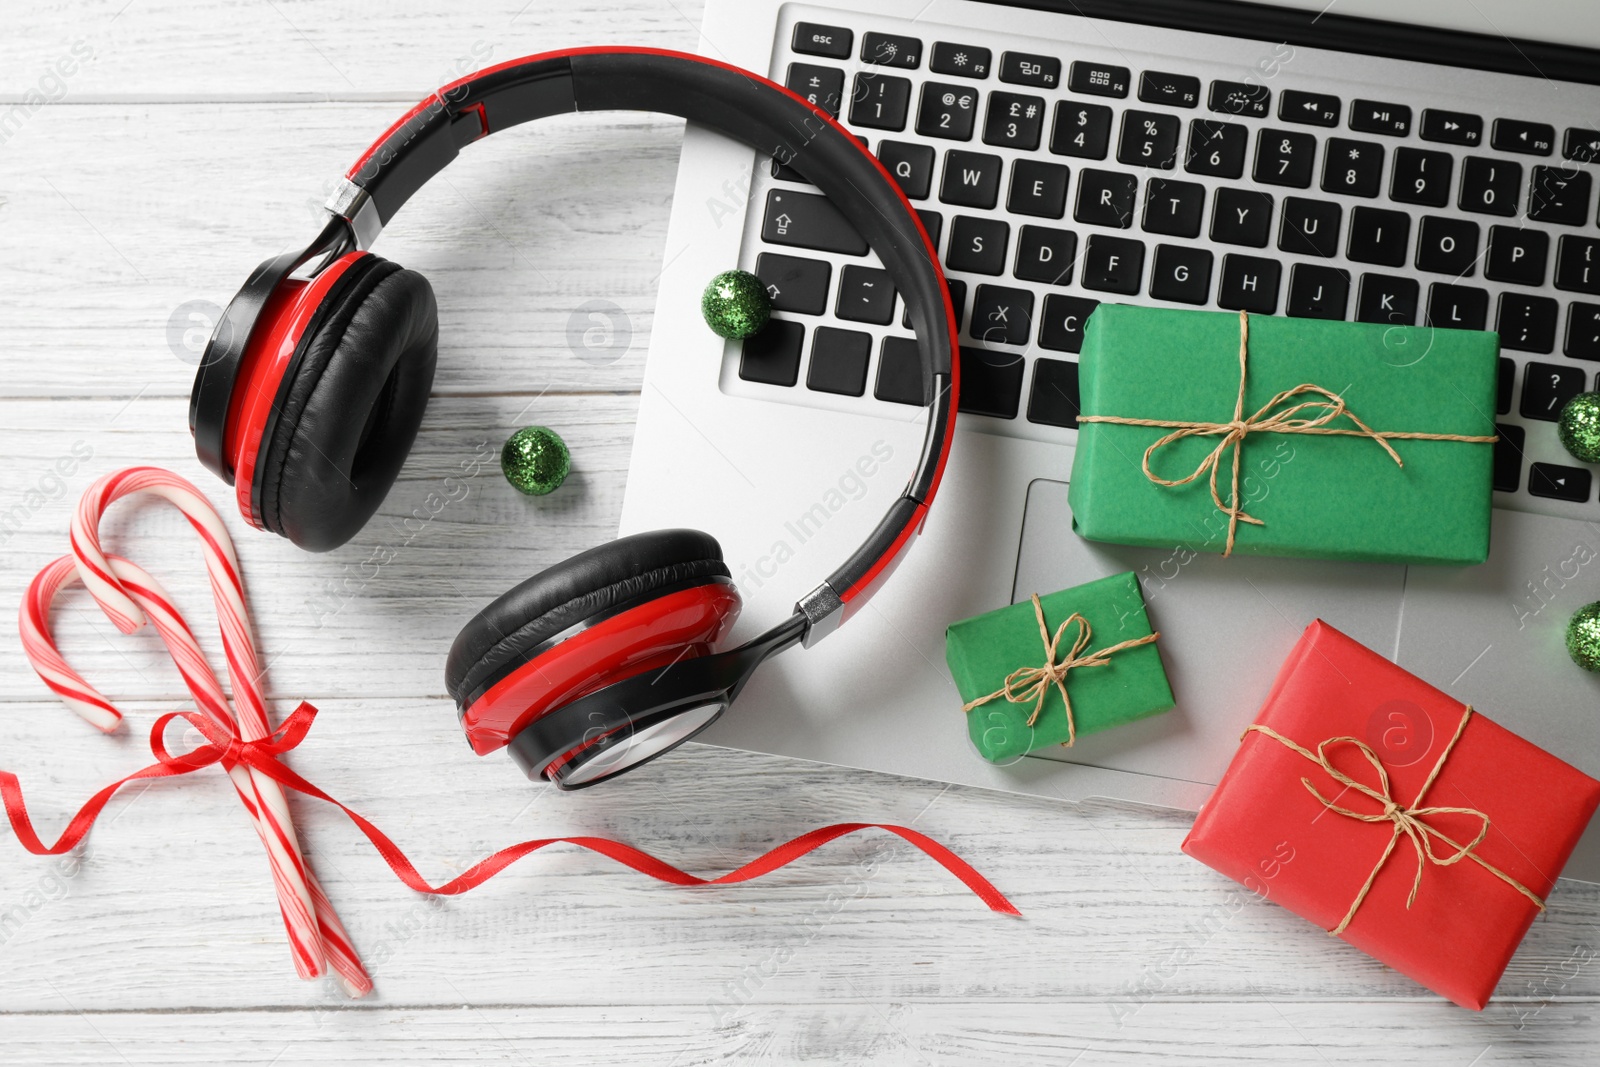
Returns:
point(1052, 178)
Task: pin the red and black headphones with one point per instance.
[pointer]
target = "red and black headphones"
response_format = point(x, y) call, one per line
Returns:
point(312, 388)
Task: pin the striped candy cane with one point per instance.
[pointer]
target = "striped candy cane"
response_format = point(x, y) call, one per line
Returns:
point(244, 744)
point(129, 597)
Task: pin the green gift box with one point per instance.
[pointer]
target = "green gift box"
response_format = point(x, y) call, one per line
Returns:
point(1351, 441)
point(1042, 671)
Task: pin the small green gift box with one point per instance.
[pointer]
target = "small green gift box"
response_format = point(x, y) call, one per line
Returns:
point(1285, 437)
point(1043, 671)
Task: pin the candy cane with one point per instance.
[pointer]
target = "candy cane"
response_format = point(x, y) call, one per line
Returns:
point(129, 597)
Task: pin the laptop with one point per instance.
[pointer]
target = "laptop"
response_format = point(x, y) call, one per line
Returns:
point(1209, 154)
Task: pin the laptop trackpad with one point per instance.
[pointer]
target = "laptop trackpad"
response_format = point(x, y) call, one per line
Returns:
point(1226, 626)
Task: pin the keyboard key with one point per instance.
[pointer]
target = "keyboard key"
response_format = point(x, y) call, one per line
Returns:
point(1105, 198)
point(880, 102)
point(1371, 116)
point(1309, 109)
point(900, 373)
point(1546, 388)
point(1237, 98)
point(1505, 381)
point(1583, 331)
point(1181, 274)
point(1452, 127)
point(1249, 283)
point(971, 179)
point(1559, 483)
point(866, 294)
point(795, 284)
point(1061, 326)
point(1045, 255)
point(1014, 121)
point(1082, 130)
point(1490, 186)
point(1318, 292)
point(1216, 148)
point(991, 382)
point(1284, 158)
point(1241, 217)
point(1174, 208)
point(1022, 68)
point(772, 356)
point(1149, 139)
point(1516, 255)
point(1527, 323)
point(1457, 307)
point(1559, 195)
point(1581, 146)
point(838, 361)
point(808, 220)
point(823, 86)
point(1113, 264)
point(891, 50)
point(1379, 236)
point(815, 39)
point(1421, 177)
point(1389, 300)
point(911, 165)
point(1174, 90)
point(1002, 316)
point(1038, 188)
point(1099, 79)
point(1053, 400)
point(1448, 246)
point(958, 300)
point(933, 222)
point(1354, 168)
point(959, 60)
point(1578, 265)
point(977, 246)
point(1508, 457)
point(947, 111)
point(1310, 227)
point(1527, 138)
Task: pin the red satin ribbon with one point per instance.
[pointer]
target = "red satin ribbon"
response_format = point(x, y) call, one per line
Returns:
point(226, 748)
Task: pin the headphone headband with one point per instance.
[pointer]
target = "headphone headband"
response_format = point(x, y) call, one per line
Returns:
point(734, 102)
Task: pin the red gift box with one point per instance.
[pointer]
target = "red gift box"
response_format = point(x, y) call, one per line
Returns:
point(1361, 788)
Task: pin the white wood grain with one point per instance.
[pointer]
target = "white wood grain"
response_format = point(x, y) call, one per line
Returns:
point(189, 148)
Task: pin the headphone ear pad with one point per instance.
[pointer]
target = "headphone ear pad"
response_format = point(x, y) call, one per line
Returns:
point(352, 410)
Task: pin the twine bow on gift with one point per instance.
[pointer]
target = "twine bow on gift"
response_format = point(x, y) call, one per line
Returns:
point(1033, 683)
point(1271, 417)
point(1409, 820)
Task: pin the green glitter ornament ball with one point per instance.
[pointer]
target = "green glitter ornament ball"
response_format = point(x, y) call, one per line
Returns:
point(1583, 637)
point(1579, 427)
point(535, 460)
point(736, 304)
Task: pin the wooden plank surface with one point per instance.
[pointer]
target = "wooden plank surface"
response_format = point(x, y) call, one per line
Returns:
point(192, 144)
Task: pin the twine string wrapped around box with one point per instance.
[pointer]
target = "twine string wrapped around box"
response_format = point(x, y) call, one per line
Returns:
point(1033, 684)
point(1294, 419)
point(1409, 820)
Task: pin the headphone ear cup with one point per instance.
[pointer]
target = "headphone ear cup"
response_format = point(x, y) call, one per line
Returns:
point(606, 613)
point(349, 416)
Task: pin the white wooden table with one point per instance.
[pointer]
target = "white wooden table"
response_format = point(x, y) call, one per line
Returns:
point(195, 142)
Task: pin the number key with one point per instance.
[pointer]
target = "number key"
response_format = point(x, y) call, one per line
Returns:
point(947, 111)
point(1421, 177)
point(1081, 130)
point(1216, 148)
point(1014, 121)
point(1149, 139)
point(1353, 167)
point(880, 102)
point(1490, 186)
point(1546, 388)
point(1284, 158)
